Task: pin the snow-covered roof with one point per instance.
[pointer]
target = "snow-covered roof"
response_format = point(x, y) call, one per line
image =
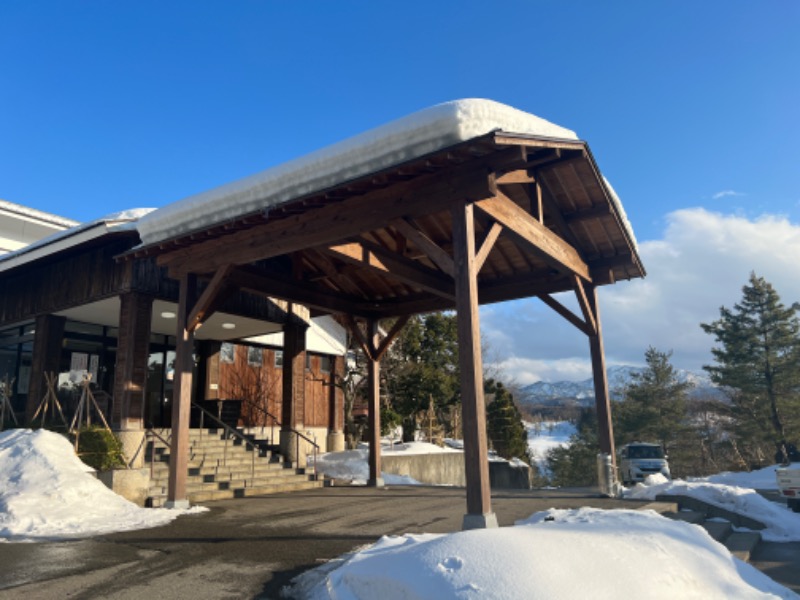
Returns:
point(36, 215)
point(407, 138)
point(84, 232)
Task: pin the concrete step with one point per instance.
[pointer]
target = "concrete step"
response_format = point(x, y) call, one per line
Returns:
point(687, 516)
point(206, 495)
point(719, 530)
point(742, 544)
point(248, 480)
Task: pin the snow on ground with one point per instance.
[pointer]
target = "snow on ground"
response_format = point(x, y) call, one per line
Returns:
point(782, 525)
point(353, 465)
point(48, 493)
point(554, 554)
point(544, 436)
point(762, 479)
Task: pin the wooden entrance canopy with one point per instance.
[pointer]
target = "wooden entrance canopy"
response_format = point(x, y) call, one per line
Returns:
point(497, 217)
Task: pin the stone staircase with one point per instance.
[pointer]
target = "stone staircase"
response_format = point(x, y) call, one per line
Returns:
point(718, 522)
point(222, 466)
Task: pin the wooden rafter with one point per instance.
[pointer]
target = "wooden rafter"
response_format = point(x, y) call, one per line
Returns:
point(372, 256)
point(275, 285)
point(550, 246)
point(438, 256)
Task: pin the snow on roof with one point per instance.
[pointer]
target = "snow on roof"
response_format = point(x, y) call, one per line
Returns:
point(36, 215)
point(118, 221)
point(407, 138)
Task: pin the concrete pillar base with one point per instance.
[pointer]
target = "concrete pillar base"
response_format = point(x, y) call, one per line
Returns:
point(131, 484)
point(179, 504)
point(289, 449)
point(378, 483)
point(487, 521)
point(335, 441)
point(133, 447)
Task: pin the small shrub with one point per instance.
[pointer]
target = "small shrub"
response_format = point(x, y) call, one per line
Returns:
point(100, 449)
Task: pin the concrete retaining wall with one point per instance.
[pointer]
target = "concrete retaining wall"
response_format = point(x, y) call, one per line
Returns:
point(447, 468)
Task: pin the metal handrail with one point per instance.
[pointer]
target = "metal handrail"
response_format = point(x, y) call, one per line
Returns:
point(232, 431)
point(299, 435)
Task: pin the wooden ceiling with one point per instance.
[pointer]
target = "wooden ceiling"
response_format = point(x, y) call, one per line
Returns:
point(381, 245)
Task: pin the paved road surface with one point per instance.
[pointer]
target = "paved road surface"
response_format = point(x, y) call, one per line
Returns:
point(251, 548)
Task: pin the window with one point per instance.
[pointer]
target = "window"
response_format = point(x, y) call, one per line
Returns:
point(278, 359)
point(227, 353)
point(255, 356)
point(325, 364)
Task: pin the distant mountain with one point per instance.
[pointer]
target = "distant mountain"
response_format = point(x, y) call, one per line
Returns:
point(565, 393)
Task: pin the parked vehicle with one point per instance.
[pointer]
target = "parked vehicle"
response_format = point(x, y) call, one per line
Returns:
point(789, 485)
point(640, 459)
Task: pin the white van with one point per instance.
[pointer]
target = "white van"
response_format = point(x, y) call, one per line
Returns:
point(640, 459)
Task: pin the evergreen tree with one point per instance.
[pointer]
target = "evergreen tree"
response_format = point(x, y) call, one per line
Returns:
point(423, 364)
point(758, 359)
point(654, 405)
point(504, 426)
point(576, 464)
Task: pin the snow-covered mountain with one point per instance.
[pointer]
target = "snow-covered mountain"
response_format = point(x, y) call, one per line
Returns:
point(582, 392)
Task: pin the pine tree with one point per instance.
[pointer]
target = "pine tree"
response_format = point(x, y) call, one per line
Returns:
point(504, 425)
point(654, 404)
point(758, 359)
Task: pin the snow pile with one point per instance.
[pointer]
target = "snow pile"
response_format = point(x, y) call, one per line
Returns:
point(552, 555)
point(544, 436)
point(49, 493)
point(353, 465)
point(782, 525)
point(761, 479)
point(407, 138)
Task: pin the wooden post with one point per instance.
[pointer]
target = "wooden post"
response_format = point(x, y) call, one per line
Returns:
point(335, 438)
point(46, 358)
point(182, 397)
point(130, 373)
point(374, 407)
point(294, 390)
point(605, 429)
point(479, 503)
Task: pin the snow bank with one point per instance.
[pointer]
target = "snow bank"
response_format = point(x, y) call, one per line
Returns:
point(353, 466)
point(49, 493)
point(761, 479)
point(552, 555)
point(407, 138)
point(782, 525)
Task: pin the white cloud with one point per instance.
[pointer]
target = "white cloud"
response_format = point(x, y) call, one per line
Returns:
point(726, 194)
point(700, 264)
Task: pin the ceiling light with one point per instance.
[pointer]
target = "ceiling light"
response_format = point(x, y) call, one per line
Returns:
point(229, 325)
point(168, 314)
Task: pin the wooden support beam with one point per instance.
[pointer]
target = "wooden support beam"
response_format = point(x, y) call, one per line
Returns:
point(565, 312)
point(551, 247)
point(369, 351)
point(487, 244)
point(372, 256)
point(273, 285)
point(391, 336)
point(520, 176)
point(431, 249)
point(586, 307)
point(374, 408)
point(210, 299)
point(335, 222)
point(476, 461)
point(605, 432)
point(181, 396)
point(537, 202)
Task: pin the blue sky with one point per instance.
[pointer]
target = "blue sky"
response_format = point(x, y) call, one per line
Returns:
point(686, 105)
